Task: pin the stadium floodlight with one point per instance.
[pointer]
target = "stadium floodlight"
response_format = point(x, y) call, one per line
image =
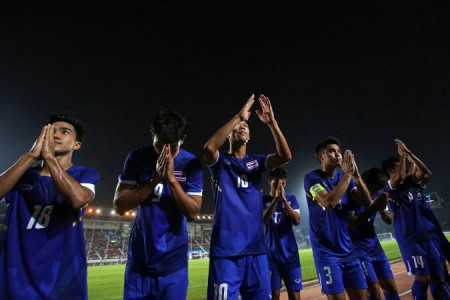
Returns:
point(98, 211)
point(113, 212)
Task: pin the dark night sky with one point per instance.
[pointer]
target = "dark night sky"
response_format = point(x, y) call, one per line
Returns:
point(365, 73)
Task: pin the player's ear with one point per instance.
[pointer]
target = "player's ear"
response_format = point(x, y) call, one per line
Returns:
point(182, 140)
point(77, 146)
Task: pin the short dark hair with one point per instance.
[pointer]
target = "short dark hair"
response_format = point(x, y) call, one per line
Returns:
point(169, 126)
point(279, 172)
point(389, 163)
point(328, 141)
point(77, 124)
point(375, 177)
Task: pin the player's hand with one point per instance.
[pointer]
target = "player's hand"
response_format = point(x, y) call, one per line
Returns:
point(380, 202)
point(402, 147)
point(282, 191)
point(245, 112)
point(169, 164)
point(355, 168)
point(164, 165)
point(266, 113)
point(48, 147)
point(36, 149)
point(348, 163)
point(161, 165)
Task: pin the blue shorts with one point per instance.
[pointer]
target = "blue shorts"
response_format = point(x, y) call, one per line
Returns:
point(421, 258)
point(376, 266)
point(292, 279)
point(247, 275)
point(335, 277)
point(172, 286)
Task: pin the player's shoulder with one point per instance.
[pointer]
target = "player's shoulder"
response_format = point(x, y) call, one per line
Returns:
point(187, 155)
point(313, 174)
point(77, 170)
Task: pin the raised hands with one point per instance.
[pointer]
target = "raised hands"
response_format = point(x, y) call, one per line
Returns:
point(402, 149)
point(280, 193)
point(380, 202)
point(245, 112)
point(349, 164)
point(44, 146)
point(48, 147)
point(266, 113)
point(36, 149)
point(164, 164)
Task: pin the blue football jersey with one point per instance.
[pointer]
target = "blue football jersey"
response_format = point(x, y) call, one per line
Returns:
point(364, 237)
point(238, 227)
point(158, 242)
point(328, 227)
point(430, 219)
point(280, 238)
point(42, 250)
point(405, 201)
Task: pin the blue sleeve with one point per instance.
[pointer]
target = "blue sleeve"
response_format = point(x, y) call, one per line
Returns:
point(294, 202)
point(194, 180)
point(129, 174)
point(90, 175)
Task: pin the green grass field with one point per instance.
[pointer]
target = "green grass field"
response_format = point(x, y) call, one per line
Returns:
point(106, 282)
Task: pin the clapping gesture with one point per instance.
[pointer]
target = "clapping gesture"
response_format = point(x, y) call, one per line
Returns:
point(245, 112)
point(266, 113)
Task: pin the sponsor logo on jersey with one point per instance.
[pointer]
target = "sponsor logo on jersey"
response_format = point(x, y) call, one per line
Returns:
point(252, 164)
point(179, 175)
point(24, 187)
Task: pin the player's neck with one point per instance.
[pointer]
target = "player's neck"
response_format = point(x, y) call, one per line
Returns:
point(238, 150)
point(328, 171)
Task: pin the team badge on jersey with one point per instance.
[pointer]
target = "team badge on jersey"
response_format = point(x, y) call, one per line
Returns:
point(252, 164)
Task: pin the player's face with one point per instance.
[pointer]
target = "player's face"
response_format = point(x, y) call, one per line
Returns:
point(275, 182)
point(65, 138)
point(159, 145)
point(332, 156)
point(241, 132)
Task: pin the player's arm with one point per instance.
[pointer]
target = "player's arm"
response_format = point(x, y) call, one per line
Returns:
point(386, 216)
point(10, 177)
point(330, 199)
point(360, 193)
point(76, 195)
point(130, 196)
point(267, 116)
point(378, 204)
point(267, 214)
point(211, 148)
point(188, 205)
point(292, 215)
point(400, 173)
point(422, 173)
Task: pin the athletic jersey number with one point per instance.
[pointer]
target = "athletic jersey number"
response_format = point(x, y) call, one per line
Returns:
point(328, 274)
point(220, 291)
point(157, 192)
point(41, 217)
point(418, 261)
point(242, 181)
point(277, 217)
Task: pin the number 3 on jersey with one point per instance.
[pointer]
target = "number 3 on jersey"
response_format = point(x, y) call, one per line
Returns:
point(41, 217)
point(242, 181)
